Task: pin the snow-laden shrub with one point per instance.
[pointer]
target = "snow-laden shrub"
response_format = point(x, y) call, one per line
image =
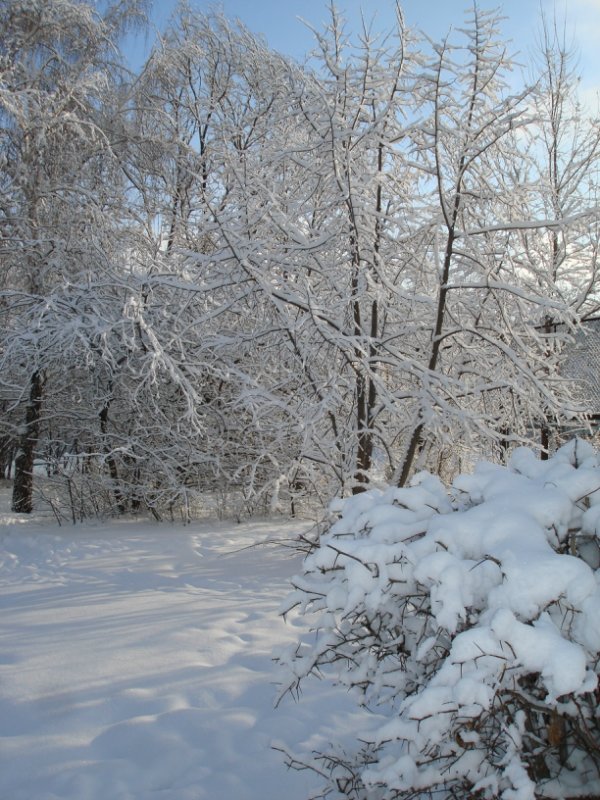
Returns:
point(469, 622)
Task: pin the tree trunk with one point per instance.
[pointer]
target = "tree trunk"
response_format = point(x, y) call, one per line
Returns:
point(365, 437)
point(417, 434)
point(545, 441)
point(110, 460)
point(22, 497)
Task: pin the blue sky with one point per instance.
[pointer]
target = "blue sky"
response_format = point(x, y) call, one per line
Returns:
point(278, 21)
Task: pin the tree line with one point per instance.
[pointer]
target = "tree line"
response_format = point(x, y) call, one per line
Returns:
point(227, 272)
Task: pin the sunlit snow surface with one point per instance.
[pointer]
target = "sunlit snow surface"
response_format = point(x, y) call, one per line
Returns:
point(136, 663)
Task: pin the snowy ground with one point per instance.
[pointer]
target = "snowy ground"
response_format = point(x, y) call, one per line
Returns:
point(135, 663)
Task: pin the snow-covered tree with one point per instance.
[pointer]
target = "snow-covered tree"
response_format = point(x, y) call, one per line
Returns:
point(62, 218)
point(487, 374)
point(215, 97)
point(560, 178)
point(355, 111)
point(558, 182)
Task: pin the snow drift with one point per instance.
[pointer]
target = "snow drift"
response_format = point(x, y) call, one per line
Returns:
point(135, 662)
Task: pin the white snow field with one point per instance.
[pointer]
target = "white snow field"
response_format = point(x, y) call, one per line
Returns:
point(136, 663)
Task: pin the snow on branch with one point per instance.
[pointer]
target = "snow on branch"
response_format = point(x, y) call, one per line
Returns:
point(466, 622)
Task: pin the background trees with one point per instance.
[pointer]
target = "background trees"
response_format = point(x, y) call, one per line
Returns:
point(58, 209)
point(487, 372)
point(231, 271)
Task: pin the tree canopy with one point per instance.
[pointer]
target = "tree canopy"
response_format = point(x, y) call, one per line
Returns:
point(227, 272)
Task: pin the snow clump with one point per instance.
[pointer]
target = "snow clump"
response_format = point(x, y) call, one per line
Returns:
point(466, 622)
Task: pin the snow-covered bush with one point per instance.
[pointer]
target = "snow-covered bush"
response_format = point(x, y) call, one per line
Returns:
point(467, 623)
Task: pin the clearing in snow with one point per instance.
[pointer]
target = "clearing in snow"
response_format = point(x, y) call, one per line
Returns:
point(136, 662)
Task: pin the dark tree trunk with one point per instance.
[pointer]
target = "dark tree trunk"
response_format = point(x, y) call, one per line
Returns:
point(110, 460)
point(22, 497)
point(545, 441)
point(365, 438)
point(6, 456)
point(549, 327)
point(415, 441)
